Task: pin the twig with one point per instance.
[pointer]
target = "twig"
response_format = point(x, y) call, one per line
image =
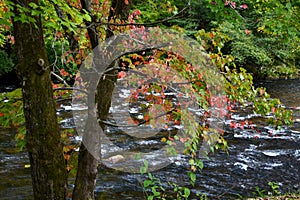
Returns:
point(115, 125)
point(70, 88)
point(60, 78)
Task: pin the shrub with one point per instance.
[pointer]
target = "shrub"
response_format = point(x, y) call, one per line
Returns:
point(6, 63)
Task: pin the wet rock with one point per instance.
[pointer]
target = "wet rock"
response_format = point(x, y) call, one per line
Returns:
point(116, 159)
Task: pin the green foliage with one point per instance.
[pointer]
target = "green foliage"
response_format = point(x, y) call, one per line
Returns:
point(155, 10)
point(244, 47)
point(12, 115)
point(61, 60)
point(73, 17)
point(242, 90)
point(272, 191)
point(155, 187)
point(55, 50)
point(279, 18)
point(274, 188)
point(266, 56)
point(6, 63)
point(280, 71)
point(239, 84)
point(259, 192)
point(2, 37)
point(263, 37)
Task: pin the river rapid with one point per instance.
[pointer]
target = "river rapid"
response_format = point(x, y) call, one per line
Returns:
point(254, 158)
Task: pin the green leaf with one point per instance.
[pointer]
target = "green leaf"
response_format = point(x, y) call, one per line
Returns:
point(150, 197)
point(143, 170)
point(87, 17)
point(155, 193)
point(35, 12)
point(187, 192)
point(193, 177)
point(191, 162)
point(150, 176)
point(147, 183)
point(33, 5)
point(200, 164)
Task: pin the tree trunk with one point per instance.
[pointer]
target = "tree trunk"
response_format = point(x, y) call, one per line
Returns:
point(48, 172)
point(118, 10)
point(87, 163)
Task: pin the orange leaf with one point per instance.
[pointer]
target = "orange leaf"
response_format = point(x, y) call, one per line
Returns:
point(68, 168)
point(67, 156)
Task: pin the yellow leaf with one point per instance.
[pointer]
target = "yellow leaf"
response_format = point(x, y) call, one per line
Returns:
point(27, 166)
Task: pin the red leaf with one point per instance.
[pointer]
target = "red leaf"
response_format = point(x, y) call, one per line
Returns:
point(146, 118)
point(233, 5)
point(136, 12)
point(63, 72)
point(176, 122)
point(121, 74)
point(247, 32)
point(244, 6)
point(273, 109)
point(183, 140)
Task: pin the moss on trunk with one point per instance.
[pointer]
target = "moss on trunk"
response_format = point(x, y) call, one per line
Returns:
point(48, 172)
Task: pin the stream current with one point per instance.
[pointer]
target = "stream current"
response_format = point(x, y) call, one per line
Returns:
point(253, 159)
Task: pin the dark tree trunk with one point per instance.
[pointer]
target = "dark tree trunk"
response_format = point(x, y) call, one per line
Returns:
point(87, 163)
point(49, 176)
point(118, 10)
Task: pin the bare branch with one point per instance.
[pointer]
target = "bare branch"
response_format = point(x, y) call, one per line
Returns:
point(70, 88)
point(60, 78)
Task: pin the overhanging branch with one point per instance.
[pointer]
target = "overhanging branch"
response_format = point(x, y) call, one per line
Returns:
point(176, 16)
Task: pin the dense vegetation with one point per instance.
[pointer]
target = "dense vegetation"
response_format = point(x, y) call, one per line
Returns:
point(246, 40)
point(262, 36)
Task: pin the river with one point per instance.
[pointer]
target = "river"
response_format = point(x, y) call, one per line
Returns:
point(253, 159)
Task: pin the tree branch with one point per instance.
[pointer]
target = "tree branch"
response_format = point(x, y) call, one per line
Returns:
point(138, 24)
point(70, 88)
point(60, 78)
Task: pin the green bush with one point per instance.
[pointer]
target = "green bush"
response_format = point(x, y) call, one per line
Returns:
point(6, 63)
point(262, 54)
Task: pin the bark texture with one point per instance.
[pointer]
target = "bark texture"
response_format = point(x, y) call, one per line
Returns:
point(48, 172)
point(87, 163)
point(119, 9)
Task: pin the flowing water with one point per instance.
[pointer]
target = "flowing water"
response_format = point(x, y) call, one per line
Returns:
point(254, 158)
